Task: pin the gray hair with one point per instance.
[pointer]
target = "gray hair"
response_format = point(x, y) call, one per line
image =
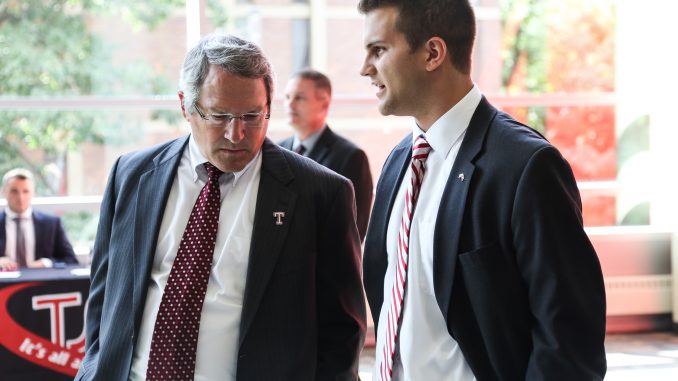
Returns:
point(235, 55)
point(16, 173)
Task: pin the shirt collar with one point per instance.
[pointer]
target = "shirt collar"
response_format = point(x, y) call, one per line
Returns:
point(197, 160)
point(11, 215)
point(310, 141)
point(445, 131)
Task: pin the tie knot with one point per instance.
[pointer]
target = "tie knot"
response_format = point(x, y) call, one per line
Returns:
point(421, 148)
point(212, 172)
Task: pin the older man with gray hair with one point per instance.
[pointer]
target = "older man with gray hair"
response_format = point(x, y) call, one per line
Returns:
point(219, 255)
point(29, 238)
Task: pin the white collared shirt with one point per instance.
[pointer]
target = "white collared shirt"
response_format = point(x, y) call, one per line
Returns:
point(426, 349)
point(28, 229)
point(217, 351)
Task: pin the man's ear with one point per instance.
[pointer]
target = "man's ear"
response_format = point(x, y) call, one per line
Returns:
point(326, 103)
point(436, 53)
point(324, 98)
point(186, 115)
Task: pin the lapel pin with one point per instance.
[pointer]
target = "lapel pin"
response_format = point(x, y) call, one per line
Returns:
point(461, 177)
point(278, 217)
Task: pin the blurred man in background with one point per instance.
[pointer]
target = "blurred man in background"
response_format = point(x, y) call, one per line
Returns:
point(29, 238)
point(307, 102)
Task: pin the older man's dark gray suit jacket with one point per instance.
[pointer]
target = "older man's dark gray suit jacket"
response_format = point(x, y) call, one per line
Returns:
point(303, 315)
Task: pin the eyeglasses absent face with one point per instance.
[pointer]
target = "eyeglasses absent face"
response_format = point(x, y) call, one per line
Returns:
point(306, 106)
point(250, 119)
point(18, 193)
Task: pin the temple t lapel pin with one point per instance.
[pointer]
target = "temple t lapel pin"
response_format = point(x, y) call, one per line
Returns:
point(278, 217)
point(461, 177)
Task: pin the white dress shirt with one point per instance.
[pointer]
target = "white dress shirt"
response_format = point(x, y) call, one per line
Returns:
point(217, 350)
point(425, 350)
point(28, 230)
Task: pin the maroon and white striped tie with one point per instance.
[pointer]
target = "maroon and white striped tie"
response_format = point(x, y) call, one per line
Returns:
point(420, 152)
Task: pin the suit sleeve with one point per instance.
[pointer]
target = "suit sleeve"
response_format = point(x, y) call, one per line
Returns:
point(99, 270)
point(63, 250)
point(358, 171)
point(562, 273)
point(341, 302)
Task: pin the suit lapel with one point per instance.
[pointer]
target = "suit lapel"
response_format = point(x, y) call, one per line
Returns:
point(2, 234)
point(154, 188)
point(451, 211)
point(394, 171)
point(322, 147)
point(375, 260)
point(39, 229)
point(267, 237)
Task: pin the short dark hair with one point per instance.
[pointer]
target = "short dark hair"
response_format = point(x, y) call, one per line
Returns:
point(320, 80)
point(452, 20)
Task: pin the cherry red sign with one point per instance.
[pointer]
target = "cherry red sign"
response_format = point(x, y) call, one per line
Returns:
point(56, 352)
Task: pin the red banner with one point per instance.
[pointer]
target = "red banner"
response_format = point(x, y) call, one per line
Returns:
point(64, 358)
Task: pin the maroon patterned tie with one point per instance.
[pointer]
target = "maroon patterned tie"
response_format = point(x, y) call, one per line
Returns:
point(175, 336)
point(420, 152)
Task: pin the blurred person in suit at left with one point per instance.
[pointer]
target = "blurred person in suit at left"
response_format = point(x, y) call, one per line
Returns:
point(29, 238)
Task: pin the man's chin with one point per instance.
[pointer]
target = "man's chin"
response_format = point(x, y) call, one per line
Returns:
point(231, 161)
point(295, 125)
point(385, 108)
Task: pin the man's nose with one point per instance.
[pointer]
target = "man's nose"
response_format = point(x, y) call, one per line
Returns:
point(367, 68)
point(235, 130)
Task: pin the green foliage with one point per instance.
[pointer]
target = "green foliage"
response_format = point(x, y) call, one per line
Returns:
point(524, 54)
point(217, 13)
point(525, 43)
point(81, 226)
point(47, 49)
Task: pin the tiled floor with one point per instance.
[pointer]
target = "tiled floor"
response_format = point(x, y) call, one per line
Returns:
point(644, 357)
point(630, 357)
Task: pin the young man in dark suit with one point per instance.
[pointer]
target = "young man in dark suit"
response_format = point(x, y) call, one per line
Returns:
point(29, 238)
point(307, 101)
point(219, 255)
point(475, 248)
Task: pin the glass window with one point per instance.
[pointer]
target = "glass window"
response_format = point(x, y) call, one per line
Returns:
point(100, 79)
point(81, 83)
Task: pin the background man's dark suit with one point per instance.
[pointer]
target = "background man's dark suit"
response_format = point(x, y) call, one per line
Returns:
point(345, 158)
point(515, 276)
point(303, 312)
point(50, 239)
